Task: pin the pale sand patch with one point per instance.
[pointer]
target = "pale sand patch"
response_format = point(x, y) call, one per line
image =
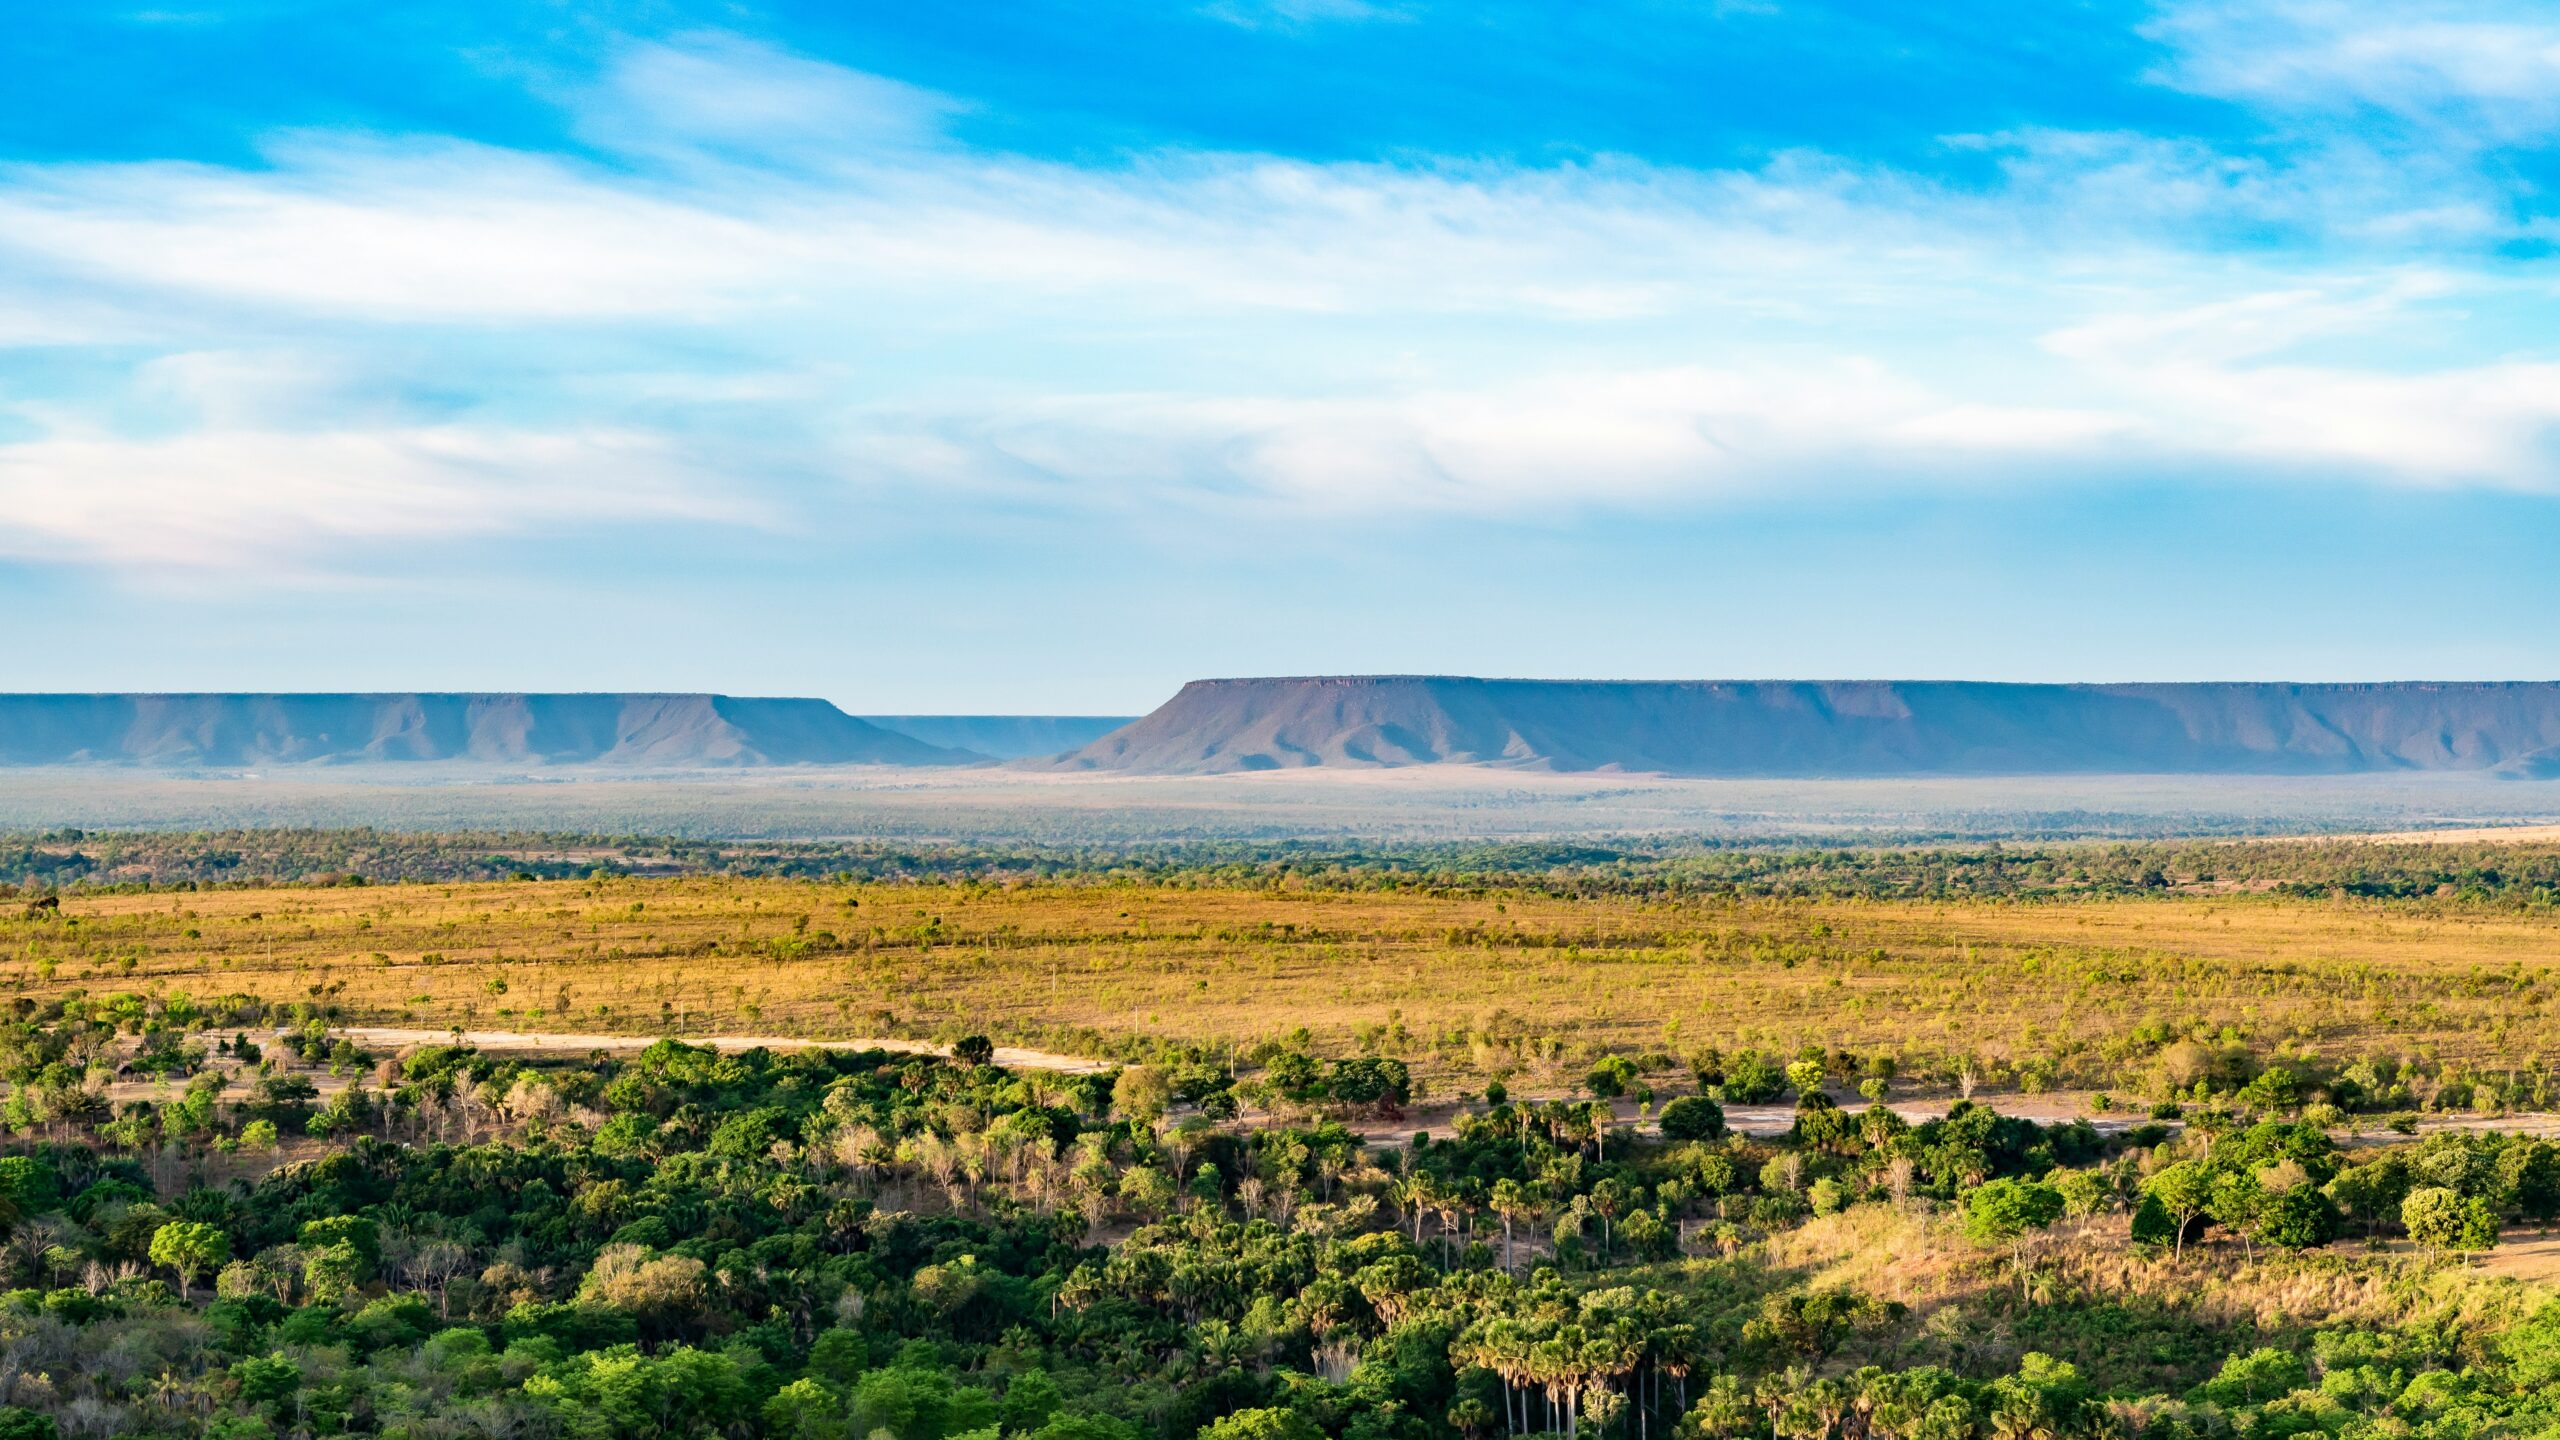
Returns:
point(2473, 835)
point(2532, 1256)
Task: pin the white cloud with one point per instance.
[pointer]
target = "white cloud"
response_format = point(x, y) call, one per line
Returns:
point(2221, 389)
point(2482, 62)
point(802, 189)
point(1682, 434)
point(269, 504)
point(456, 234)
point(800, 253)
point(2174, 189)
point(2246, 327)
point(434, 233)
point(713, 92)
point(2224, 381)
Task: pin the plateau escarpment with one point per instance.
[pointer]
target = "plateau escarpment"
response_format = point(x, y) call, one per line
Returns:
point(653, 731)
point(1861, 728)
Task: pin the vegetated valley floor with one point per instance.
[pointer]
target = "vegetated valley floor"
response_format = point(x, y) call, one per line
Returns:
point(1494, 981)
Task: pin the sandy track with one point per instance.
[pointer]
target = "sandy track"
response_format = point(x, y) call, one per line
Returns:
point(532, 1042)
point(1435, 1117)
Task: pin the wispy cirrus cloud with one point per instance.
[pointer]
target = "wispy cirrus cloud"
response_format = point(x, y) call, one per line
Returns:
point(791, 266)
point(303, 506)
point(1291, 14)
point(788, 184)
point(706, 92)
point(2490, 66)
point(2203, 392)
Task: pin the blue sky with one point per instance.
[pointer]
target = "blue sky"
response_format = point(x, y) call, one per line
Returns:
point(1037, 356)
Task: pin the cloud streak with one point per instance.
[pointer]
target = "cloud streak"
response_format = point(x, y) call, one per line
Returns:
point(2481, 66)
point(305, 506)
point(794, 267)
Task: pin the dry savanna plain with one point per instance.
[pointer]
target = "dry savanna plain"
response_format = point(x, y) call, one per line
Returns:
point(2328, 1138)
point(1464, 981)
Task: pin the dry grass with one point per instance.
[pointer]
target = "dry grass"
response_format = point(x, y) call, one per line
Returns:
point(2531, 1257)
point(1924, 1260)
point(1548, 980)
point(2128, 1319)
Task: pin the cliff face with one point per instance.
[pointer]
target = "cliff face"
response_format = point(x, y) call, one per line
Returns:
point(646, 731)
point(1842, 728)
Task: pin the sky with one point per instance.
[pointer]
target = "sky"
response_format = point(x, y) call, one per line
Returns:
point(1034, 356)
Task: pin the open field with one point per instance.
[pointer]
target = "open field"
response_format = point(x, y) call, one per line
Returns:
point(1462, 983)
point(559, 1168)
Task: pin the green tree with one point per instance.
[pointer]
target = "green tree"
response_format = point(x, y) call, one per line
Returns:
point(191, 1248)
point(2277, 1090)
point(1750, 1080)
point(2371, 1193)
point(1147, 1191)
point(621, 1393)
point(2184, 1190)
point(268, 1380)
point(1612, 1077)
point(1265, 1424)
point(2443, 1220)
point(2152, 1224)
point(806, 1410)
point(1511, 1201)
point(2084, 1192)
point(31, 1184)
point(2256, 1378)
point(2529, 1173)
point(2005, 1212)
point(2298, 1218)
point(332, 1272)
point(2237, 1203)
point(1821, 1125)
point(1294, 1075)
point(1142, 1093)
point(1692, 1117)
point(358, 1232)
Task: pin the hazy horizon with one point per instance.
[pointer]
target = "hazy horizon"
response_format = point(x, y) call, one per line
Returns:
point(1420, 804)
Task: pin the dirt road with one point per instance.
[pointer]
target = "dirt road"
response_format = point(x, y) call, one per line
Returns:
point(1434, 1117)
point(529, 1042)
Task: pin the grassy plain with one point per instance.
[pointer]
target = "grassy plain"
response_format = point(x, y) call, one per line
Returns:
point(1462, 983)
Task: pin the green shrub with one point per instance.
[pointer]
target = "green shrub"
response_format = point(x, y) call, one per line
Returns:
point(1692, 1117)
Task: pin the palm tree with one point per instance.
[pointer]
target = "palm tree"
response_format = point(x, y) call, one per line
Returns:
point(1607, 1198)
point(1510, 1201)
point(1415, 1193)
point(1448, 1202)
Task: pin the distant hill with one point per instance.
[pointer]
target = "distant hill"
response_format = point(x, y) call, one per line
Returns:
point(1004, 737)
point(643, 731)
point(1807, 728)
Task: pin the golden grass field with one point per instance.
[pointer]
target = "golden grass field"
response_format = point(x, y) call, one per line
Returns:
point(1511, 982)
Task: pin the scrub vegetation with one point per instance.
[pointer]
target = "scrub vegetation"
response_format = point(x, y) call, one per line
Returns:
point(1423, 1149)
point(2135, 969)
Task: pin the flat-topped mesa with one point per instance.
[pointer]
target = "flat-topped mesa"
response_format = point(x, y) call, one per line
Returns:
point(1815, 728)
point(644, 731)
